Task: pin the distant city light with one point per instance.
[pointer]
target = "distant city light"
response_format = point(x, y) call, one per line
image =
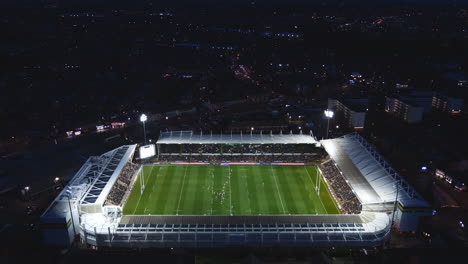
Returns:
point(26, 188)
point(424, 168)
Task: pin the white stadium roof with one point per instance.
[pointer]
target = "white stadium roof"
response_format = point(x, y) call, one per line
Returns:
point(369, 175)
point(188, 137)
point(92, 182)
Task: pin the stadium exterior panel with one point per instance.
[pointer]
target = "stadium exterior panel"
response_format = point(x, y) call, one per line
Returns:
point(92, 204)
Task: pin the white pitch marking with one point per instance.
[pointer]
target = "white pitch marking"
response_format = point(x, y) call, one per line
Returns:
point(316, 190)
point(181, 190)
point(230, 193)
point(277, 188)
point(139, 199)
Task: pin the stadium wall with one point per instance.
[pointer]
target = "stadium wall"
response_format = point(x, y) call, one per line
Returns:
point(407, 219)
point(325, 231)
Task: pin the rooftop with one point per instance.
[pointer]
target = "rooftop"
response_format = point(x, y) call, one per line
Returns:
point(368, 174)
point(92, 182)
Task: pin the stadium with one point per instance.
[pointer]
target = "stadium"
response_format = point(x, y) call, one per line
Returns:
point(235, 190)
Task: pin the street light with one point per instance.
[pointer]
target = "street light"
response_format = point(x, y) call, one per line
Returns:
point(329, 115)
point(143, 119)
point(25, 193)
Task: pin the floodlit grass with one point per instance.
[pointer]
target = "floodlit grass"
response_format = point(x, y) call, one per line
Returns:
point(230, 190)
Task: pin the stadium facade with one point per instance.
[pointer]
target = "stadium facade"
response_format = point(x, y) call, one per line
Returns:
point(90, 206)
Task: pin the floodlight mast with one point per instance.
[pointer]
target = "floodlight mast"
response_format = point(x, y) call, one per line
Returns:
point(329, 115)
point(143, 119)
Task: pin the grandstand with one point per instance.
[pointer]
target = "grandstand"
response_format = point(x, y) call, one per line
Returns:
point(185, 146)
point(167, 203)
point(376, 184)
point(86, 193)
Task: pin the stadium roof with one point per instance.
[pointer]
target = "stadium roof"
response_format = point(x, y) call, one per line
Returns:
point(369, 175)
point(109, 167)
point(92, 182)
point(188, 137)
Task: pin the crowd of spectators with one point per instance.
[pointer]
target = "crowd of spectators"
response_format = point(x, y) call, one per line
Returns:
point(260, 158)
point(122, 184)
point(343, 192)
point(236, 148)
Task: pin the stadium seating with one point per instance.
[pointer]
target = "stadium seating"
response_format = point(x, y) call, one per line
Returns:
point(120, 187)
point(258, 158)
point(216, 153)
point(343, 192)
point(235, 149)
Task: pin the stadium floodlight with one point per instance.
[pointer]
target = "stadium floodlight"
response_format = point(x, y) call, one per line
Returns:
point(329, 115)
point(143, 119)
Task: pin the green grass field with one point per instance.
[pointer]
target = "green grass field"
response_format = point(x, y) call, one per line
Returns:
point(230, 190)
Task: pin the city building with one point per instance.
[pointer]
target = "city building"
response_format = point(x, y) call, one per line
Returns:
point(354, 110)
point(443, 103)
point(407, 111)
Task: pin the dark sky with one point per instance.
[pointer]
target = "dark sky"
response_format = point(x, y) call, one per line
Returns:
point(237, 2)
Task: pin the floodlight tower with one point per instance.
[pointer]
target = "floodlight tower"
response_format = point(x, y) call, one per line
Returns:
point(329, 115)
point(143, 119)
